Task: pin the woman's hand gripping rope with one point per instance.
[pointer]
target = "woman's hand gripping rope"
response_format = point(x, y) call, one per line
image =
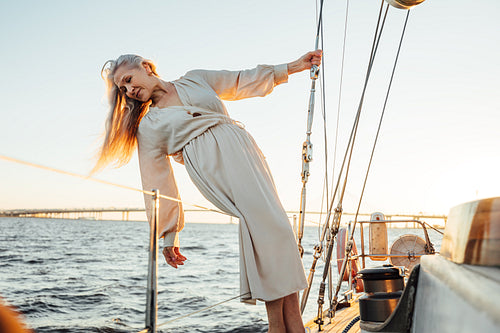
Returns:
point(173, 256)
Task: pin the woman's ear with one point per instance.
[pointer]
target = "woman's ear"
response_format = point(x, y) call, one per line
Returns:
point(147, 67)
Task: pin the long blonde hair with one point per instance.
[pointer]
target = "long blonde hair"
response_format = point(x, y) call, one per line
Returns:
point(125, 114)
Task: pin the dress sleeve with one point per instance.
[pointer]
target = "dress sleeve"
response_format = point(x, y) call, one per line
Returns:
point(234, 85)
point(157, 173)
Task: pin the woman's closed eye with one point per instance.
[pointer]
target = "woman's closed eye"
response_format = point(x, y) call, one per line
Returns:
point(127, 79)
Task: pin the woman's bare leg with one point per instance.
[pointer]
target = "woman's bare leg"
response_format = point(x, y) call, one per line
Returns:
point(291, 314)
point(275, 316)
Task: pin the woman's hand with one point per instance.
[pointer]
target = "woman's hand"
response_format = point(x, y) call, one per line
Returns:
point(305, 62)
point(173, 256)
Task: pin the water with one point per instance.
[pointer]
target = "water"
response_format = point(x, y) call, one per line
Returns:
point(90, 276)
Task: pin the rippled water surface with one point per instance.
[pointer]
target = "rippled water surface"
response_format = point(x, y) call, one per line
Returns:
point(90, 276)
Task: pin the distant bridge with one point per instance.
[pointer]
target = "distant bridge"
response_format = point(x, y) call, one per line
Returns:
point(69, 213)
point(97, 213)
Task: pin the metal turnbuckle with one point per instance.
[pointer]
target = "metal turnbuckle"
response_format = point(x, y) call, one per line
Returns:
point(314, 72)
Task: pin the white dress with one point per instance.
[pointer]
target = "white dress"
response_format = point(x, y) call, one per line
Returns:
point(229, 169)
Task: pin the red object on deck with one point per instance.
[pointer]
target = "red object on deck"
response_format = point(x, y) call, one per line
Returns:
point(341, 244)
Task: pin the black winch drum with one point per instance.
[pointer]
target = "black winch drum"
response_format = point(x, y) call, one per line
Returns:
point(383, 288)
point(386, 278)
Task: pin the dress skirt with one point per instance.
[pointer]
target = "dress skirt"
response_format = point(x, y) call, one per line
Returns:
point(230, 171)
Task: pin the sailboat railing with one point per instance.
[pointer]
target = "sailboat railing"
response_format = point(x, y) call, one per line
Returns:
point(152, 292)
point(363, 255)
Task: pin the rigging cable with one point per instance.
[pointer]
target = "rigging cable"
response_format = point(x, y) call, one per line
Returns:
point(330, 283)
point(324, 192)
point(194, 312)
point(72, 174)
point(351, 236)
point(307, 145)
point(325, 136)
point(381, 118)
point(352, 138)
point(340, 87)
point(430, 226)
point(325, 196)
point(338, 210)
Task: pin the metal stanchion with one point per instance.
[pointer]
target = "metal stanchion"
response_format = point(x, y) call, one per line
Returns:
point(152, 293)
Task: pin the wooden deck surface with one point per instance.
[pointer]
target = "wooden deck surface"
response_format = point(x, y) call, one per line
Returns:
point(342, 318)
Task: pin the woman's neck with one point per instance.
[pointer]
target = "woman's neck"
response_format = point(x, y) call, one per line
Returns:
point(160, 93)
point(165, 95)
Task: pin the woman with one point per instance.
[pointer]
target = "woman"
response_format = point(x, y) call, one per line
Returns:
point(186, 119)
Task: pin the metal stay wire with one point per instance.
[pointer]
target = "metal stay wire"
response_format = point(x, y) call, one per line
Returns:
point(430, 226)
point(307, 145)
point(350, 143)
point(325, 192)
point(381, 118)
point(330, 275)
point(319, 248)
point(351, 236)
point(352, 138)
point(340, 88)
point(376, 41)
point(348, 153)
point(72, 174)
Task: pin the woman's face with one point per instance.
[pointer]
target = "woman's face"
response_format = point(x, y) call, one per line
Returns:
point(136, 82)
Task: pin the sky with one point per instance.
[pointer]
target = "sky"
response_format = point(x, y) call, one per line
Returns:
point(439, 140)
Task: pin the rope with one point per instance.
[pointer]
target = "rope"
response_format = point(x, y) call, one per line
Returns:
point(194, 312)
point(351, 324)
point(72, 174)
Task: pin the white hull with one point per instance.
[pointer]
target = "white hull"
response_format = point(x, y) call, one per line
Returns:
point(456, 298)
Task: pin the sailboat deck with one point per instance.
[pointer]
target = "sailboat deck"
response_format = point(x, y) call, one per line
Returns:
point(342, 318)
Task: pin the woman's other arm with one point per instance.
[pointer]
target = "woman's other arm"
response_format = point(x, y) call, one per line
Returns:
point(259, 81)
point(157, 173)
